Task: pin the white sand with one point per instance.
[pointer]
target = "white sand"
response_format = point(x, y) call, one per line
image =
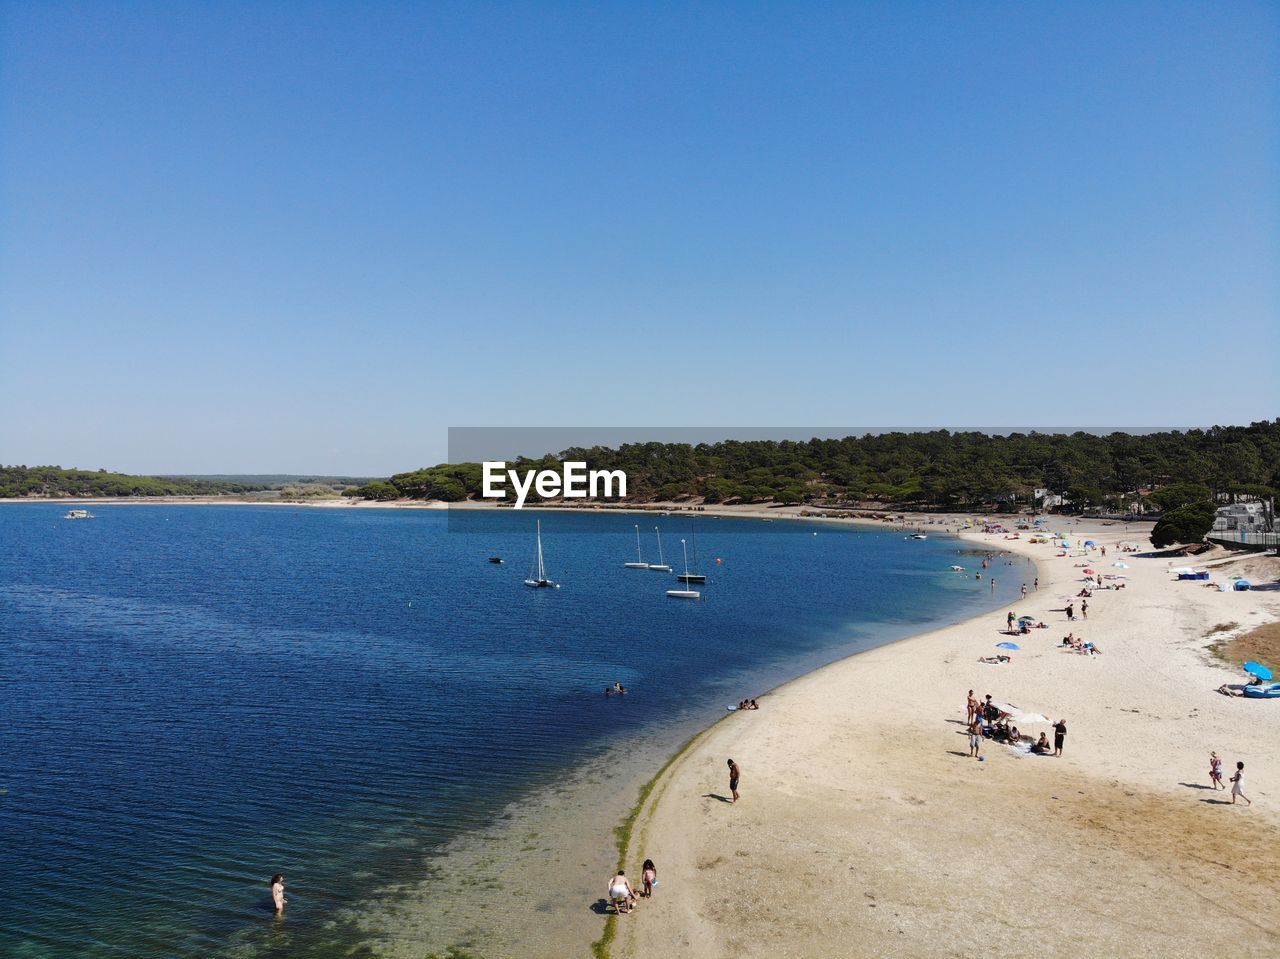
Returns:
point(865, 831)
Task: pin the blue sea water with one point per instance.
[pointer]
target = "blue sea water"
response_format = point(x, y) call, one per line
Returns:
point(197, 697)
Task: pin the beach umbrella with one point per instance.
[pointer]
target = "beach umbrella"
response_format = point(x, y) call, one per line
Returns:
point(1007, 646)
point(1013, 712)
point(1090, 542)
point(1243, 585)
point(1258, 670)
point(1091, 572)
point(1120, 565)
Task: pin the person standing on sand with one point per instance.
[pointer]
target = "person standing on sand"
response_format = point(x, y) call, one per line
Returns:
point(277, 893)
point(975, 738)
point(1009, 622)
point(734, 775)
point(1037, 586)
point(648, 877)
point(1215, 771)
point(1024, 590)
point(1071, 612)
point(1059, 734)
point(972, 707)
point(1084, 608)
point(1237, 785)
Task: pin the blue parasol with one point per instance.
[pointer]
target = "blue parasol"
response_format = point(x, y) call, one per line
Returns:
point(1016, 646)
point(1258, 670)
point(1090, 542)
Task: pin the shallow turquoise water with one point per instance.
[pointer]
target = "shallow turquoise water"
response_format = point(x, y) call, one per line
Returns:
point(197, 697)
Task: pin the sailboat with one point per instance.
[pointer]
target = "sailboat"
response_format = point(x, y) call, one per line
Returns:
point(689, 577)
point(540, 580)
point(660, 566)
point(639, 563)
point(685, 593)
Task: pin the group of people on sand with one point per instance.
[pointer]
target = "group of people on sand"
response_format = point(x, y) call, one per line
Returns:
point(1077, 645)
point(1237, 781)
point(986, 721)
point(748, 704)
point(623, 897)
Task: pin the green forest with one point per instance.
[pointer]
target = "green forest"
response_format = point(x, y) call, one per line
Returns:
point(926, 470)
point(54, 481)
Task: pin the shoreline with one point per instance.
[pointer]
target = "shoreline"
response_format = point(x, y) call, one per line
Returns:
point(679, 821)
point(574, 824)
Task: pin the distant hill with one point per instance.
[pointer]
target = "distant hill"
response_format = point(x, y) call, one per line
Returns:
point(1152, 471)
point(18, 482)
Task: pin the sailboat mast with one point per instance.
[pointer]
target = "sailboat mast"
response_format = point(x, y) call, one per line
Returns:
point(639, 559)
point(541, 572)
point(686, 561)
point(661, 562)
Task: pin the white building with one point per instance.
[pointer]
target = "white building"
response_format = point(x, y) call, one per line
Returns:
point(1240, 518)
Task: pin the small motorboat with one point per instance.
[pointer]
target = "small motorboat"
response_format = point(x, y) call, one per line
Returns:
point(495, 559)
point(919, 536)
point(78, 514)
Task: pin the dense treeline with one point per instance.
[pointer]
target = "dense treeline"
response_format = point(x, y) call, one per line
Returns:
point(54, 481)
point(938, 469)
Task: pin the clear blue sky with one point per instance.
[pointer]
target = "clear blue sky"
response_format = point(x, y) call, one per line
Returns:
point(309, 237)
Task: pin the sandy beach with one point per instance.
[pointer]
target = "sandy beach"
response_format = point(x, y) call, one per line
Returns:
point(865, 830)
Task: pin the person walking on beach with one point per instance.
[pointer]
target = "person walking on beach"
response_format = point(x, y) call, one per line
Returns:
point(1037, 586)
point(1215, 771)
point(734, 775)
point(1024, 590)
point(1237, 785)
point(277, 893)
point(975, 737)
point(1059, 734)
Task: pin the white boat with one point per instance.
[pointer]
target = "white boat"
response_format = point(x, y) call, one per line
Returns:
point(639, 563)
point(78, 514)
point(919, 536)
point(660, 566)
point(684, 593)
point(694, 577)
point(539, 581)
